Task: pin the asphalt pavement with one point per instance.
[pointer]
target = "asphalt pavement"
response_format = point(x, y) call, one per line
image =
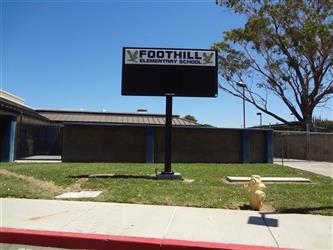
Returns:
point(317, 167)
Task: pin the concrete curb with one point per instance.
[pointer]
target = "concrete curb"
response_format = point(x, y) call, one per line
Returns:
point(109, 242)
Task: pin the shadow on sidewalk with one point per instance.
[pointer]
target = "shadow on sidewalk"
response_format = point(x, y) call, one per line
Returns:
point(263, 220)
point(270, 222)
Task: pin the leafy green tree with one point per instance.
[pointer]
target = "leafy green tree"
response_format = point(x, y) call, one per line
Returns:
point(285, 48)
point(190, 118)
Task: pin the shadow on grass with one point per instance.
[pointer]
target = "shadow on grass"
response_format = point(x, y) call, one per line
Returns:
point(113, 176)
point(303, 210)
point(245, 207)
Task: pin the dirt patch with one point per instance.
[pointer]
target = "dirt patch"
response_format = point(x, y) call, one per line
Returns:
point(267, 207)
point(77, 185)
point(48, 186)
point(45, 185)
point(185, 180)
point(232, 206)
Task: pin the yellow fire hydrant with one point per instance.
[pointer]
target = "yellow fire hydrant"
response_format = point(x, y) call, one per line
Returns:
point(255, 188)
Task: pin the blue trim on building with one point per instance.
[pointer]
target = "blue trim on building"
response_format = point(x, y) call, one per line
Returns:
point(8, 129)
point(12, 130)
point(245, 146)
point(150, 145)
point(269, 146)
point(4, 141)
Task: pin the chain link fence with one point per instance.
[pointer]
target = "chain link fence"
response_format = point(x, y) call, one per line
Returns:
point(311, 146)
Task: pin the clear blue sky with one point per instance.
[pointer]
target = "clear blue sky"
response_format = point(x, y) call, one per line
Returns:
point(67, 54)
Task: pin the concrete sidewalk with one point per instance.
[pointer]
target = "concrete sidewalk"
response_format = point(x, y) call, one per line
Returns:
point(40, 159)
point(169, 222)
point(317, 167)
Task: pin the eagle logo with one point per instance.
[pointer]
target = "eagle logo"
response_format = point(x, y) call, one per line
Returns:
point(133, 57)
point(208, 58)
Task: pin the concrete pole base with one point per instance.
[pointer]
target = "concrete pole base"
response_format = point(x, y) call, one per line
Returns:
point(169, 176)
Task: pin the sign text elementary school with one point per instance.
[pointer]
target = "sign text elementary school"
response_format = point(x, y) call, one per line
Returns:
point(170, 57)
point(163, 71)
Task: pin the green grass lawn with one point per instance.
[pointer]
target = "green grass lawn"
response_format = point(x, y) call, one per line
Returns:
point(134, 185)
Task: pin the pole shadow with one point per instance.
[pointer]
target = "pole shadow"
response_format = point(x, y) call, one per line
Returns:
point(263, 220)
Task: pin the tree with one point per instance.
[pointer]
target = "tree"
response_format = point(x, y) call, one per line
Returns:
point(190, 118)
point(285, 48)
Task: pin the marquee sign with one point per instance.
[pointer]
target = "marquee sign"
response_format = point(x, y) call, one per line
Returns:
point(170, 57)
point(180, 72)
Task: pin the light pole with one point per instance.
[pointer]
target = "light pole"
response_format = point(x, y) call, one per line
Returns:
point(260, 114)
point(243, 85)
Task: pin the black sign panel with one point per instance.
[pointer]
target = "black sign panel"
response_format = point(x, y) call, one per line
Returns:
point(180, 72)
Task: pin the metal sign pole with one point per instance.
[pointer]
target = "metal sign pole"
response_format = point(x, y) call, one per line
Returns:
point(168, 134)
point(168, 173)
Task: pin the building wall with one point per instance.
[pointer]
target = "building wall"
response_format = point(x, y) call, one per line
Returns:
point(257, 141)
point(200, 145)
point(91, 143)
point(315, 146)
point(36, 137)
point(103, 144)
